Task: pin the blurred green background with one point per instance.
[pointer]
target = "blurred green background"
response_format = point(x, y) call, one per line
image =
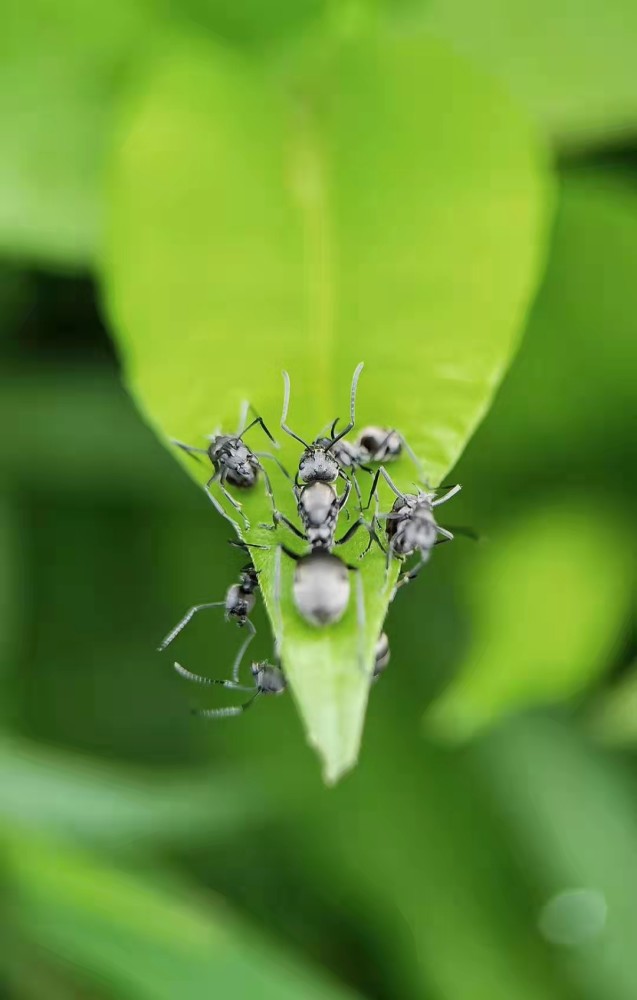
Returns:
point(485, 846)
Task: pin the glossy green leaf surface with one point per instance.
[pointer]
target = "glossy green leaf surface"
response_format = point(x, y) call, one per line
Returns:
point(549, 599)
point(311, 214)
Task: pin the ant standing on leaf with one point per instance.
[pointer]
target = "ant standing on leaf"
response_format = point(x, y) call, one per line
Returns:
point(321, 587)
point(234, 463)
point(373, 444)
point(411, 524)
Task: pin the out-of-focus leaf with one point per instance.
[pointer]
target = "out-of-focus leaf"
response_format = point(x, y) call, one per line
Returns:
point(613, 718)
point(571, 391)
point(46, 791)
point(146, 938)
point(573, 64)
point(411, 837)
point(61, 66)
point(548, 600)
point(309, 219)
point(574, 819)
point(252, 21)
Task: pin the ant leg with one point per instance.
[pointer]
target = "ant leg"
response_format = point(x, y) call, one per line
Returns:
point(189, 449)
point(447, 536)
point(215, 503)
point(270, 495)
point(276, 593)
point(360, 620)
point(198, 679)
point(282, 519)
point(231, 500)
point(466, 532)
point(373, 537)
point(447, 496)
point(184, 621)
point(266, 454)
point(259, 420)
point(410, 451)
point(413, 573)
point(382, 471)
point(284, 414)
point(357, 490)
point(244, 546)
point(352, 407)
point(342, 500)
point(227, 713)
point(236, 666)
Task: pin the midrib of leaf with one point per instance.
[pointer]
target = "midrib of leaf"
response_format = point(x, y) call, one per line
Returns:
point(310, 190)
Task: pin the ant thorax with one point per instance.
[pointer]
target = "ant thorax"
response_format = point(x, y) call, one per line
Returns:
point(318, 465)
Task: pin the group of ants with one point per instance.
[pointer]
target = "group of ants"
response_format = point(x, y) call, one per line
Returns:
point(321, 582)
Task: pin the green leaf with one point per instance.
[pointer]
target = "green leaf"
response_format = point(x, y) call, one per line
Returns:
point(147, 938)
point(85, 799)
point(579, 353)
point(613, 717)
point(572, 813)
point(553, 60)
point(548, 601)
point(307, 216)
point(253, 21)
point(62, 65)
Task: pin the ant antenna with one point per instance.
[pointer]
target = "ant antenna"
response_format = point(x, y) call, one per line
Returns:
point(286, 403)
point(352, 408)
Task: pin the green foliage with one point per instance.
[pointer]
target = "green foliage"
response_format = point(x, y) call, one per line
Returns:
point(498, 870)
point(552, 58)
point(147, 937)
point(61, 69)
point(85, 801)
point(525, 648)
point(305, 217)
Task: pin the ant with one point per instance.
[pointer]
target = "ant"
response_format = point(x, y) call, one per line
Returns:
point(373, 444)
point(411, 524)
point(239, 603)
point(267, 679)
point(321, 587)
point(234, 463)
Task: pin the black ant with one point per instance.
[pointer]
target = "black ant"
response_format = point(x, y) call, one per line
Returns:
point(234, 463)
point(411, 524)
point(239, 603)
point(321, 586)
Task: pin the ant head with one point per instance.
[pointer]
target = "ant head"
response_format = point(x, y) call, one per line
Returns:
point(249, 575)
point(317, 465)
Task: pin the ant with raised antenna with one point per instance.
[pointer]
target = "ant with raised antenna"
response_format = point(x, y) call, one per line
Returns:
point(373, 444)
point(321, 586)
point(236, 464)
point(411, 526)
